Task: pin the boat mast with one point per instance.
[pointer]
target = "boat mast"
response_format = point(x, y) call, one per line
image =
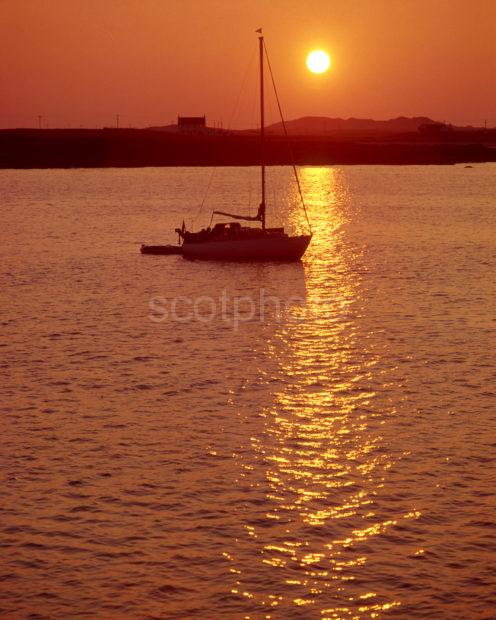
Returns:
point(262, 127)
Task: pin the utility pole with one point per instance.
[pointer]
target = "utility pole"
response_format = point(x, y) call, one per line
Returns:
point(117, 121)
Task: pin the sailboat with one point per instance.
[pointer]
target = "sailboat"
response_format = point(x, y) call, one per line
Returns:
point(230, 241)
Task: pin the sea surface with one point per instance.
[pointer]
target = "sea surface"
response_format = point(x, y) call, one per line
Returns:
point(187, 440)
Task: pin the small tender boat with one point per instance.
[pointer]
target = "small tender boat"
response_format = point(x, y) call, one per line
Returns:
point(161, 249)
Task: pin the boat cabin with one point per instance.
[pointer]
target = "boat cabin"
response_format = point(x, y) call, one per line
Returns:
point(226, 231)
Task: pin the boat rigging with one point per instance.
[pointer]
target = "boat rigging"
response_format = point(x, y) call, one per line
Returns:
point(231, 241)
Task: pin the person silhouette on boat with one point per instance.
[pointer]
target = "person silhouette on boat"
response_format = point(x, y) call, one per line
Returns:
point(261, 213)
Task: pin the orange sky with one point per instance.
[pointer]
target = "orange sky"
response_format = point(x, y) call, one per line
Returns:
point(81, 62)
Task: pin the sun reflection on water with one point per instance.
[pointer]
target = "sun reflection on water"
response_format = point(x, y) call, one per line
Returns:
point(319, 461)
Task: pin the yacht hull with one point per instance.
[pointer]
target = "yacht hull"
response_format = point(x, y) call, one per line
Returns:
point(275, 249)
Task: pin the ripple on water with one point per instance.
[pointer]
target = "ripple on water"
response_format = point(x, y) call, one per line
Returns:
point(334, 461)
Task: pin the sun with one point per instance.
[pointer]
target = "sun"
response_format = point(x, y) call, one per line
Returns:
point(318, 61)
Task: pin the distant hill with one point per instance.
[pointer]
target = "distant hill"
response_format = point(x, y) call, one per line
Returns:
point(338, 127)
point(318, 125)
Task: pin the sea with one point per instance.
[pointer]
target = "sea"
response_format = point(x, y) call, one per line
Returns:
point(198, 440)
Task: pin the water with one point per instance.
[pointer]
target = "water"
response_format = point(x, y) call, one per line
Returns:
point(188, 440)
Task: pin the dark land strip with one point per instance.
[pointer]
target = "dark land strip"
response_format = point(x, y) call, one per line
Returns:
point(91, 148)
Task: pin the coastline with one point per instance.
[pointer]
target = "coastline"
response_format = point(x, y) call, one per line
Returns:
point(96, 148)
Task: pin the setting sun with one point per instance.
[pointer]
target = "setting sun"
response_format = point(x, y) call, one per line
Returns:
point(318, 61)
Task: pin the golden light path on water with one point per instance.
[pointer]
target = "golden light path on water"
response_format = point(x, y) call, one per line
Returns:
point(319, 461)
